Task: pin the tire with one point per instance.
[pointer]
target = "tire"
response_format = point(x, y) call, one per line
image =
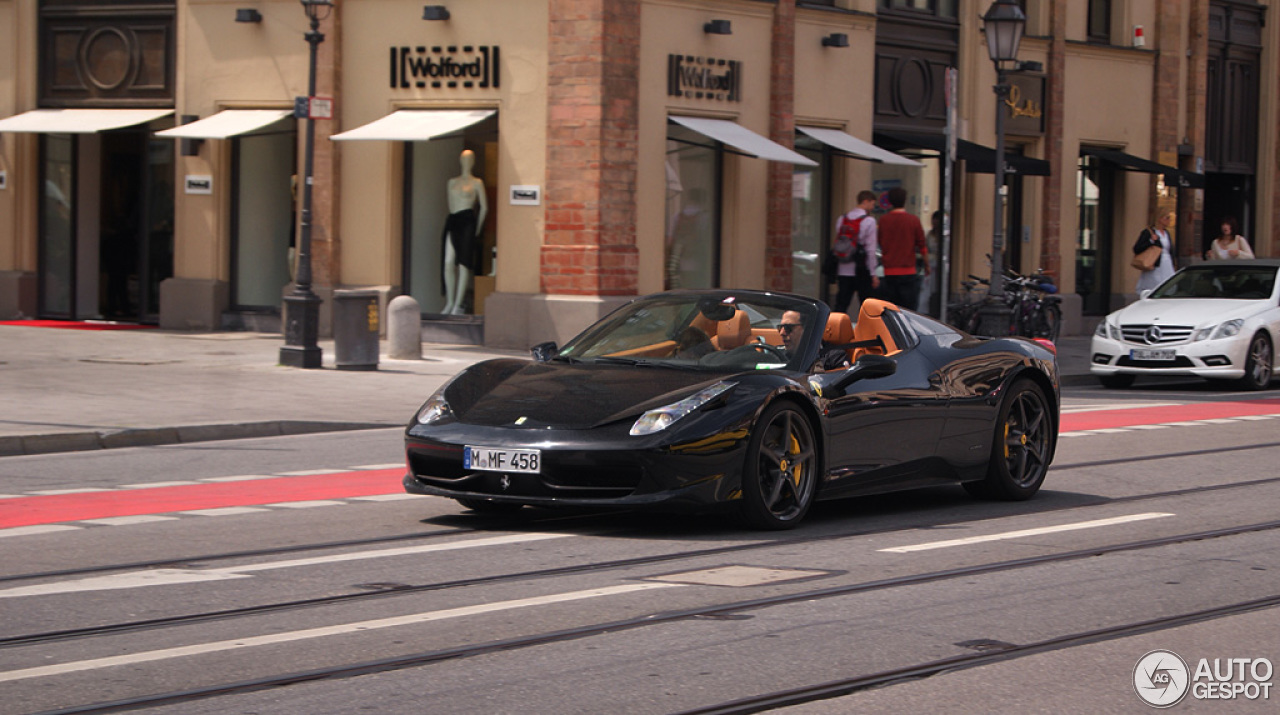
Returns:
point(780, 474)
point(484, 506)
point(1022, 446)
point(1257, 364)
point(1116, 382)
point(1050, 321)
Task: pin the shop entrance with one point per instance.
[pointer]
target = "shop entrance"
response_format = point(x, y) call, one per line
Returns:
point(106, 233)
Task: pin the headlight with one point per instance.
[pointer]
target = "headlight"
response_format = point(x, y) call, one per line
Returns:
point(1101, 330)
point(1229, 328)
point(663, 417)
point(435, 410)
point(1106, 330)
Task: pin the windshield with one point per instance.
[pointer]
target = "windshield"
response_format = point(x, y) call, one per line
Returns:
point(712, 330)
point(1209, 281)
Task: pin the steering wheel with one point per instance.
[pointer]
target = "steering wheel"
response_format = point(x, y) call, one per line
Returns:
point(775, 351)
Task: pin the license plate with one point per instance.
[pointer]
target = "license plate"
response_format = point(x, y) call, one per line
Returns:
point(1153, 355)
point(497, 459)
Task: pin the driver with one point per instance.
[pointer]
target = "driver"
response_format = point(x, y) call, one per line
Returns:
point(791, 330)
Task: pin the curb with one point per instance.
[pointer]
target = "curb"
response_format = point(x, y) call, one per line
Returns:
point(155, 436)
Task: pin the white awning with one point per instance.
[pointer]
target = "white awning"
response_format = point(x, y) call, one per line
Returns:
point(227, 123)
point(850, 144)
point(742, 139)
point(78, 121)
point(409, 125)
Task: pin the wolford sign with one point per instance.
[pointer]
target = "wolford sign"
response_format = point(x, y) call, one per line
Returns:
point(704, 78)
point(447, 66)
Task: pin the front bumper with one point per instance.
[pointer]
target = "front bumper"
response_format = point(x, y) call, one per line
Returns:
point(1218, 359)
point(579, 468)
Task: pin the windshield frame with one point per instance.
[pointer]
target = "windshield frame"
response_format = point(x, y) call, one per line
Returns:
point(659, 319)
point(1256, 281)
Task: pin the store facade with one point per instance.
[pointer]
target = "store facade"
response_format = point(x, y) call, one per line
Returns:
point(519, 169)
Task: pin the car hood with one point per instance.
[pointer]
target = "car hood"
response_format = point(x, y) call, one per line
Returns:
point(533, 395)
point(1185, 311)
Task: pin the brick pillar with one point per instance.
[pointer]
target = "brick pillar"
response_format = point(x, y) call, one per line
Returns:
point(326, 246)
point(589, 247)
point(1063, 167)
point(1197, 99)
point(1164, 111)
point(782, 129)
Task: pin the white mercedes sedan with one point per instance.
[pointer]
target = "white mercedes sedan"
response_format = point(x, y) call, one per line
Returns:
point(1217, 320)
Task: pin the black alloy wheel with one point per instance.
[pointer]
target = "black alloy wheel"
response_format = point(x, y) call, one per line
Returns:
point(781, 472)
point(1023, 440)
point(1257, 364)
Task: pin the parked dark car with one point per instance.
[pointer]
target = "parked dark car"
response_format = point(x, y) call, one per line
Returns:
point(759, 402)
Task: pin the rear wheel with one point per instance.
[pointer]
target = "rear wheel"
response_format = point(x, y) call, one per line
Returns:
point(1050, 321)
point(1116, 382)
point(1257, 364)
point(1023, 439)
point(781, 472)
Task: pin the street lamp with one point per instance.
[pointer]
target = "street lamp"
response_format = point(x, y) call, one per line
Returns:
point(1003, 25)
point(302, 308)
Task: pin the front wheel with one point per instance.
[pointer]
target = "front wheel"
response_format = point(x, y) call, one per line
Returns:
point(780, 475)
point(1257, 364)
point(1023, 440)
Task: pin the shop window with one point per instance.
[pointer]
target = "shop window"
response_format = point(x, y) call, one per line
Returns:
point(1094, 191)
point(1100, 21)
point(449, 264)
point(57, 225)
point(812, 218)
point(692, 255)
point(263, 217)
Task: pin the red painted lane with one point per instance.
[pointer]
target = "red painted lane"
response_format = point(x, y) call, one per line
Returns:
point(34, 510)
point(1104, 419)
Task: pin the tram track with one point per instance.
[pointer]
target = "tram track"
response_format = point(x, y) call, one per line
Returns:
point(775, 699)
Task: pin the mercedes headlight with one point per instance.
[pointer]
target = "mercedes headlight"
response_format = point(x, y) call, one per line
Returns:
point(663, 417)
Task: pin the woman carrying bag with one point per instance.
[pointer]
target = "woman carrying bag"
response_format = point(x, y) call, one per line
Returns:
point(1156, 265)
point(1230, 244)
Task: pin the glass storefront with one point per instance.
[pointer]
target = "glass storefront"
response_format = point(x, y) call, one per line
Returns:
point(1094, 191)
point(264, 207)
point(57, 225)
point(692, 256)
point(812, 218)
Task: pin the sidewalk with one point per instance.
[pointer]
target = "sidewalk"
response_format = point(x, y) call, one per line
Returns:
point(68, 390)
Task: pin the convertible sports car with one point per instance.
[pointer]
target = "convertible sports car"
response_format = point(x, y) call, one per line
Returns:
point(1216, 320)
point(758, 402)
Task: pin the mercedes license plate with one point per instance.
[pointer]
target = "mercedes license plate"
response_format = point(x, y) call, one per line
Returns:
point(1152, 354)
point(497, 459)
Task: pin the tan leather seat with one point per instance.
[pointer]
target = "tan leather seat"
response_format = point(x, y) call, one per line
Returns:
point(734, 332)
point(839, 331)
point(871, 325)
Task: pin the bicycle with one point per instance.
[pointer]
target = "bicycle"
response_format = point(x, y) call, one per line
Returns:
point(1036, 311)
point(963, 313)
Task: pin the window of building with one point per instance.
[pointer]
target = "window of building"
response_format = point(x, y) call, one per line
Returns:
point(264, 211)
point(1094, 192)
point(57, 225)
point(937, 8)
point(812, 217)
point(1100, 21)
point(694, 169)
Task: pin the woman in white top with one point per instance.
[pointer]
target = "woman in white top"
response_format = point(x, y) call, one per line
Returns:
point(1157, 235)
point(1230, 244)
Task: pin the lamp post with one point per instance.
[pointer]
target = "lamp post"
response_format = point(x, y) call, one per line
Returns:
point(302, 308)
point(1003, 24)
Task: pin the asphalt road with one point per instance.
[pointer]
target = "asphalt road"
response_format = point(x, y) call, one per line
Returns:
point(316, 587)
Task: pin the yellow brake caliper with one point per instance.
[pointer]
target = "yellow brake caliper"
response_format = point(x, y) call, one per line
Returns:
point(795, 469)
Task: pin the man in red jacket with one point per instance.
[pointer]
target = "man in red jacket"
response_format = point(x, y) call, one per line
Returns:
point(901, 238)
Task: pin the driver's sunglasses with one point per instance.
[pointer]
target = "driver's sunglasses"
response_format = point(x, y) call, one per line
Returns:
point(788, 327)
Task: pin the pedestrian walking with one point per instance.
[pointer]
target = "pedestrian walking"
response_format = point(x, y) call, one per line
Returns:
point(901, 237)
point(856, 271)
point(1159, 269)
point(1229, 243)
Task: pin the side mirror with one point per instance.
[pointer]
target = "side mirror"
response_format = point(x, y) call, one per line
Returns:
point(1143, 295)
point(543, 352)
point(834, 384)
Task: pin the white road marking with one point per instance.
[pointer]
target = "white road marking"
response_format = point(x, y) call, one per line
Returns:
point(225, 511)
point(241, 478)
point(395, 465)
point(156, 485)
point(387, 497)
point(167, 577)
point(357, 627)
point(60, 492)
point(129, 520)
point(307, 473)
point(42, 529)
point(305, 504)
point(1027, 532)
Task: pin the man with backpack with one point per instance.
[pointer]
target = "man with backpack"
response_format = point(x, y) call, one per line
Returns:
point(855, 252)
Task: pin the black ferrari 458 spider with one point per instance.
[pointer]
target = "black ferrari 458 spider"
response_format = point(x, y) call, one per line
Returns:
point(760, 402)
